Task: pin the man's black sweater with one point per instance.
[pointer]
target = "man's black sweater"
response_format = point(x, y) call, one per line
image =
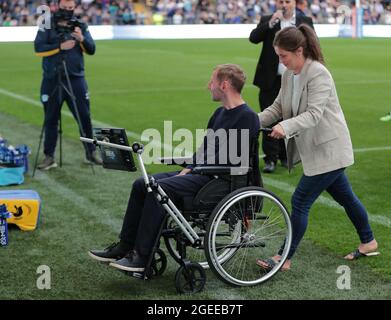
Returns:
point(223, 139)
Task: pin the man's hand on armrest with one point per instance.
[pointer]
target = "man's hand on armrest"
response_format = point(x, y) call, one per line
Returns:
point(180, 161)
point(184, 171)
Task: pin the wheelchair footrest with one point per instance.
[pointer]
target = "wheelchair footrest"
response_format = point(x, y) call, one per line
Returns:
point(137, 275)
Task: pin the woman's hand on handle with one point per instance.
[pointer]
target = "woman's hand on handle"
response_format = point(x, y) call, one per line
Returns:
point(278, 132)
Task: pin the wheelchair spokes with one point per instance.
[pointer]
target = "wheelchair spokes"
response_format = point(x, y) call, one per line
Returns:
point(159, 263)
point(190, 278)
point(249, 224)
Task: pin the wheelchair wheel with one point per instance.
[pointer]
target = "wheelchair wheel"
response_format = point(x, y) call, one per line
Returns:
point(248, 224)
point(192, 254)
point(159, 263)
point(190, 278)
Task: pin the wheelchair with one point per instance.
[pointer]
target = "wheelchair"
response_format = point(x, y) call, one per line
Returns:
point(230, 223)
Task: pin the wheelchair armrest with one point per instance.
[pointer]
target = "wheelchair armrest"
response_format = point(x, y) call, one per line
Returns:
point(220, 170)
point(177, 161)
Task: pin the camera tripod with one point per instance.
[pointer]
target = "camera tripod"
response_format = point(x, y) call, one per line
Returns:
point(57, 93)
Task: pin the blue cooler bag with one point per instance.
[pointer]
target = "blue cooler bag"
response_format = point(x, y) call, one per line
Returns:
point(13, 163)
point(11, 175)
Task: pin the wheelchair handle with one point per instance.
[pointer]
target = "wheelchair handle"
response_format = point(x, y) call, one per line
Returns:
point(137, 147)
point(267, 130)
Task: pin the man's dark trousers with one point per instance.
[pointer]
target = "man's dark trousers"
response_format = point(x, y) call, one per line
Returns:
point(53, 100)
point(144, 215)
point(272, 148)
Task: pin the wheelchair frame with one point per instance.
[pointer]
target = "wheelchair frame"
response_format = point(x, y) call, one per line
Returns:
point(193, 272)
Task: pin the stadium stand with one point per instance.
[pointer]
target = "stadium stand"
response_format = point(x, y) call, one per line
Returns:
point(132, 12)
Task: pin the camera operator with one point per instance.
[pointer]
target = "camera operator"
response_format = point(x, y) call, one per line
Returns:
point(66, 40)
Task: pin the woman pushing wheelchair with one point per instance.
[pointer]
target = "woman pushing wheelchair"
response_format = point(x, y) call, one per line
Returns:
point(316, 132)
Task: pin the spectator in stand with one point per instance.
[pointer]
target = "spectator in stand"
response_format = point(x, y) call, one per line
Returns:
point(157, 18)
point(177, 18)
point(118, 12)
point(301, 8)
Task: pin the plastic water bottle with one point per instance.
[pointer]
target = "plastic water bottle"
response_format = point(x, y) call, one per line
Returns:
point(9, 158)
point(4, 215)
point(3, 149)
point(24, 153)
point(3, 142)
point(18, 158)
point(2, 154)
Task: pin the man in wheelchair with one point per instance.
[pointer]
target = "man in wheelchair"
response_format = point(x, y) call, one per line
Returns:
point(144, 215)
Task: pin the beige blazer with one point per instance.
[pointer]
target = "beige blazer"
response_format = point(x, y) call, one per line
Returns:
point(318, 134)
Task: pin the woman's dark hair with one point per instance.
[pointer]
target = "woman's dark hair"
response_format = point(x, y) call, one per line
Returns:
point(292, 38)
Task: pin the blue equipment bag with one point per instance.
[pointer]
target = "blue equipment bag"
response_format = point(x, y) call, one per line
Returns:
point(11, 175)
point(13, 163)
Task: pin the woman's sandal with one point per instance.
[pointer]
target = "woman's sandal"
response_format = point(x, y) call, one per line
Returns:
point(357, 254)
point(269, 264)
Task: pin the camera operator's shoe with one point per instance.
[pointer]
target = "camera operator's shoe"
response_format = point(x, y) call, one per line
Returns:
point(47, 163)
point(269, 167)
point(94, 158)
point(133, 262)
point(113, 252)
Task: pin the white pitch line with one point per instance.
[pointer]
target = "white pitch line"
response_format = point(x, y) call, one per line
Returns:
point(21, 98)
point(277, 184)
point(363, 81)
point(89, 207)
point(133, 134)
point(372, 149)
point(70, 115)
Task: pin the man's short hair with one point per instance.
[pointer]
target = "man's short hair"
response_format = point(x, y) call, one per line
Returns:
point(232, 73)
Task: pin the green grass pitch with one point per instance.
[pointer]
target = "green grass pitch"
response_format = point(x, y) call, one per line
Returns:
point(139, 84)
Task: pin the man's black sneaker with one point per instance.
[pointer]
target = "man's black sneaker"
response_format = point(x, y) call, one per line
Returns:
point(133, 262)
point(113, 252)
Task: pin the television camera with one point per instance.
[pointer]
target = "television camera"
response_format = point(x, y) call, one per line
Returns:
point(65, 23)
